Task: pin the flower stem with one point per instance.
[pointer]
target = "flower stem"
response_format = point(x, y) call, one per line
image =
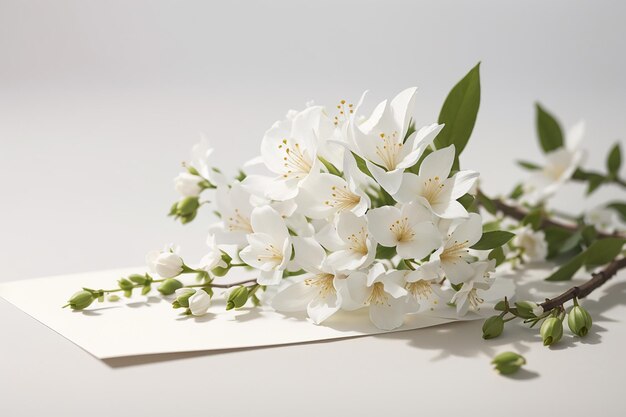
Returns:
point(519, 214)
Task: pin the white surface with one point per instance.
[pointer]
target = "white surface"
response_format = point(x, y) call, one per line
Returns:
point(117, 92)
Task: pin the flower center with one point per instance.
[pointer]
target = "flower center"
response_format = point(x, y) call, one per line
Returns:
point(344, 111)
point(402, 230)
point(239, 223)
point(296, 163)
point(432, 189)
point(358, 241)
point(324, 282)
point(455, 251)
point(342, 199)
point(389, 150)
point(378, 295)
point(270, 254)
point(419, 289)
point(474, 300)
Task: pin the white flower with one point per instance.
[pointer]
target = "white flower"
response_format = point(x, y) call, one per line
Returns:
point(354, 248)
point(316, 291)
point(434, 189)
point(560, 165)
point(424, 286)
point(289, 149)
point(382, 291)
point(213, 258)
point(409, 228)
point(324, 195)
point(165, 263)
point(235, 208)
point(603, 219)
point(201, 153)
point(380, 140)
point(187, 184)
point(454, 254)
point(470, 294)
point(533, 243)
point(199, 303)
point(269, 246)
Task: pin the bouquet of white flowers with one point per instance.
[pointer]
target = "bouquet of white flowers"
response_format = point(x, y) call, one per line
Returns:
point(347, 210)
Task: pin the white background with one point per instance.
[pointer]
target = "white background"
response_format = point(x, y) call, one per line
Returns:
point(101, 101)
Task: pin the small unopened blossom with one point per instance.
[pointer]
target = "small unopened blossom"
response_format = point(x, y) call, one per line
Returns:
point(165, 263)
point(188, 185)
point(199, 303)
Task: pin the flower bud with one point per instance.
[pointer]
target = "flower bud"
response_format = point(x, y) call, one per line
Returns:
point(125, 284)
point(199, 303)
point(187, 206)
point(187, 184)
point(183, 295)
point(138, 279)
point(80, 300)
point(579, 321)
point(168, 265)
point(237, 298)
point(508, 362)
point(551, 330)
point(493, 327)
point(169, 286)
point(526, 309)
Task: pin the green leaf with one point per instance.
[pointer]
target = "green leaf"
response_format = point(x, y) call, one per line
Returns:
point(567, 270)
point(533, 219)
point(528, 165)
point(330, 167)
point(614, 160)
point(491, 240)
point(555, 238)
point(360, 163)
point(548, 130)
point(517, 192)
point(466, 201)
point(487, 203)
point(620, 208)
point(384, 252)
point(498, 255)
point(595, 180)
point(603, 251)
point(459, 112)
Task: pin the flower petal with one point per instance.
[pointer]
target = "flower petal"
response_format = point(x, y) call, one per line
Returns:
point(438, 164)
point(379, 221)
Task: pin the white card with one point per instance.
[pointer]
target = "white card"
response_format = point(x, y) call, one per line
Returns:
point(149, 325)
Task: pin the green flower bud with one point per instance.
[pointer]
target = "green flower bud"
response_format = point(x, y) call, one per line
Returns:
point(237, 298)
point(169, 286)
point(525, 309)
point(113, 298)
point(187, 206)
point(125, 284)
point(493, 327)
point(138, 279)
point(183, 297)
point(508, 362)
point(81, 300)
point(579, 321)
point(551, 330)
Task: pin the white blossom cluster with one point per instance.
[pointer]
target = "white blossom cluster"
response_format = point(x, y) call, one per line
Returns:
point(353, 211)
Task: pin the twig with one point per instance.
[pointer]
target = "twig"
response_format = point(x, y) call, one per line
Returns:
point(520, 214)
point(597, 280)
